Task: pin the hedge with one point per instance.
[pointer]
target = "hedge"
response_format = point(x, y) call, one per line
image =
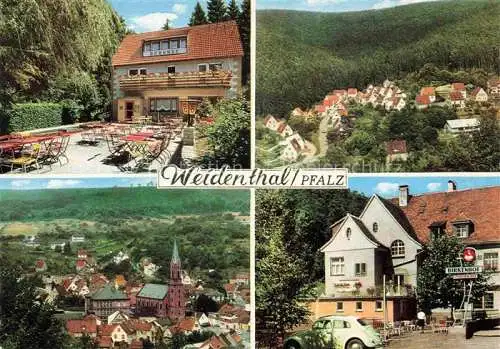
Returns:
point(30, 116)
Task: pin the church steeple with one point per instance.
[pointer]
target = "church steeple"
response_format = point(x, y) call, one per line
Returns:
point(176, 303)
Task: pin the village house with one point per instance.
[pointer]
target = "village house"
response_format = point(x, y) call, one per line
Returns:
point(79, 328)
point(494, 88)
point(396, 150)
point(479, 95)
point(120, 257)
point(429, 92)
point(386, 240)
point(167, 73)
point(106, 301)
point(422, 102)
point(77, 238)
point(457, 99)
point(292, 151)
point(284, 130)
point(459, 87)
point(459, 126)
point(162, 300)
point(40, 266)
point(271, 123)
point(320, 110)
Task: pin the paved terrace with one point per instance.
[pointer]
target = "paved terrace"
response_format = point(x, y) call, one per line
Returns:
point(86, 157)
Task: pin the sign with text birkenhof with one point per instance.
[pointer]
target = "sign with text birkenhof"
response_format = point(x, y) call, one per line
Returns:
point(463, 270)
point(172, 176)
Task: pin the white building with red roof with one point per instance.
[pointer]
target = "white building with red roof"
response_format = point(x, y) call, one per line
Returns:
point(479, 95)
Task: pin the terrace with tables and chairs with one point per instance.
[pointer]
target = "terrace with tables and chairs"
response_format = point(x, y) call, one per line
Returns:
point(96, 148)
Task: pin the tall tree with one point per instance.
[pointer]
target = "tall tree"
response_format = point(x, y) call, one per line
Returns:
point(198, 16)
point(233, 12)
point(25, 320)
point(216, 11)
point(436, 289)
point(167, 26)
point(244, 27)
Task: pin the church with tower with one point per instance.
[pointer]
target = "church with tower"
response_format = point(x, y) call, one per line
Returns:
point(164, 300)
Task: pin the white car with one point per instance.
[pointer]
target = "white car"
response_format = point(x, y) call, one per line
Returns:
point(339, 332)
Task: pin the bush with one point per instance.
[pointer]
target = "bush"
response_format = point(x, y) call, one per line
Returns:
point(30, 116)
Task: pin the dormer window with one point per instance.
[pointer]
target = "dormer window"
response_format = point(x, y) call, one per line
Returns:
point(165, 47)
point(348, 233)
point(437, 229)
point(462, 229)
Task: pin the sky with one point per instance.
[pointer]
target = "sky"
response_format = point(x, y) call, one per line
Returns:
point(386, 186)
point(333, 5)
point(151, 15)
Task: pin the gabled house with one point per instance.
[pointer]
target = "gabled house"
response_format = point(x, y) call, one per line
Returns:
point(167, 73)
point(352, 93)
point(429, 92)
point(396, 150)
point(271, 123)
point(284, 130)
point(457, 99)
point(422, 102)
point(79, 328)
point(106, 301)
point(479, 95)
point(459, 87)
point(494, 87)
point(40, 266)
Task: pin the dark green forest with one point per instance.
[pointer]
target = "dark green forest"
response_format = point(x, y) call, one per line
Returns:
point(301, 56)
point(103, 204)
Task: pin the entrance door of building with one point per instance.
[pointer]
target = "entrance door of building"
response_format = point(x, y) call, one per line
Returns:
point(129, 110)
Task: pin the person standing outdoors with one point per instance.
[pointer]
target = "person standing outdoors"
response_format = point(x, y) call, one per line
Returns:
point(421, 320)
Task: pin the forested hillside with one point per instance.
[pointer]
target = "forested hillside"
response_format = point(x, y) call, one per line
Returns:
point(104, 204)
point(301, 56)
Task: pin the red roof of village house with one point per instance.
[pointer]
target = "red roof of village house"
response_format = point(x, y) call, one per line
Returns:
point(423, 100)
point(230, 287)
point(105, 342)
point(395, 147)
point(339, 92)
point(477, 205)
point(139, 325)
point(332, 98)
point(215, 40)
point(80, 263)
point(428, 91)
point(136, 344)
point(106, 330)
point(476, 91)
point(40, 264)
point(458, 86)
point(320, 108)
point(186, 324)
point(81, 326)
point(456, 96)
point(352, 91)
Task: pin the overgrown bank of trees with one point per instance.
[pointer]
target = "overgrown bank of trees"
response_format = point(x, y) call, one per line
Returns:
point(59, 51)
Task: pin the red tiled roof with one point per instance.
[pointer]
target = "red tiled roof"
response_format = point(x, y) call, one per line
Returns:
point(139, 325)
point(458, 86)
point(81, 326)
point(428, 91)
point(216, 343)
point(80, 263)
point(230, 287)
point(396, 147)
point(105, 342)
point(216, 40)
point(106, 330)
point(478, 205)
point(339, 92)
point(332, 98)
point(136, 344)
point(186, 324)
point(40, 264)
point(320, 108)
point(476, 91)
point(352, 91)
point(423, 100)
point(456, 96)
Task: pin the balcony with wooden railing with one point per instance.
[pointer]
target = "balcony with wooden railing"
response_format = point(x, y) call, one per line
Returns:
point(176, 80)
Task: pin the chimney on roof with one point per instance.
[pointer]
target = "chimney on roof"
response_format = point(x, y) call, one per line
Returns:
point(404, 193)
point(452, 186)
